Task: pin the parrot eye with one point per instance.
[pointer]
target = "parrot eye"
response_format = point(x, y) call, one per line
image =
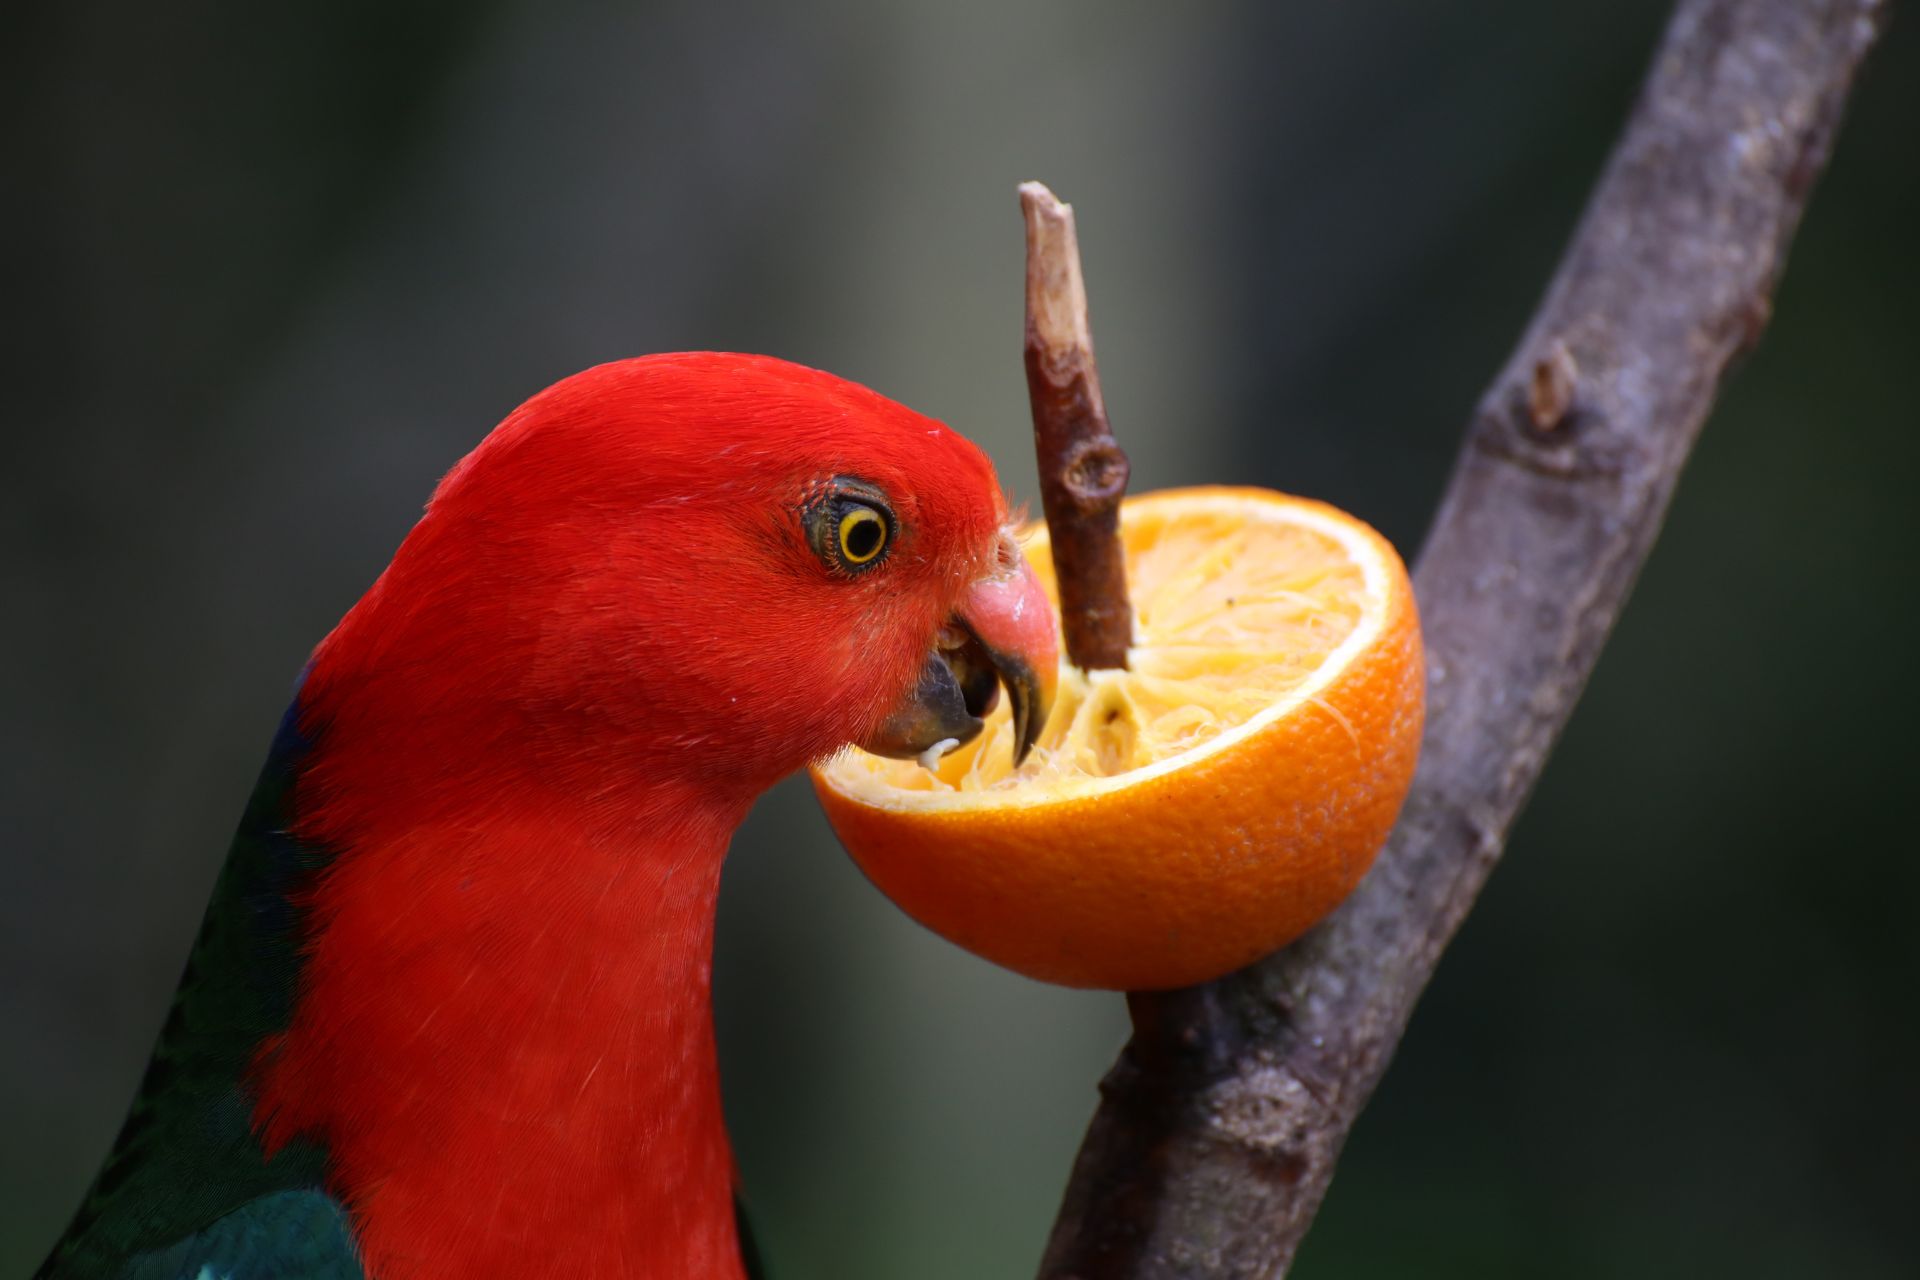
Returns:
point(850, 525)
point(863, 535)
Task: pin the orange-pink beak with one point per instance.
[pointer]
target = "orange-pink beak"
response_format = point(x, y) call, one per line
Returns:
point(1013, 621)
point(1002, 633)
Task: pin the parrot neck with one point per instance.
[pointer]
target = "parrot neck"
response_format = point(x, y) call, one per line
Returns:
point(504, 1036)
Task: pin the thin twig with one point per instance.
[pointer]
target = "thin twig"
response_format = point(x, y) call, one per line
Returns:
point(1221, 1122)
point(1083, 473)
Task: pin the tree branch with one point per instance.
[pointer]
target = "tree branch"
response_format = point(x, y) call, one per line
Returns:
point(1083, 473)
point(1223, 1118)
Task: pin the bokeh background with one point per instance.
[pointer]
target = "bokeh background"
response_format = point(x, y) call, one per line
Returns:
point(270, 269)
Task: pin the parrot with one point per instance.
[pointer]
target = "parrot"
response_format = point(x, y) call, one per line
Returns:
point(448, 1014)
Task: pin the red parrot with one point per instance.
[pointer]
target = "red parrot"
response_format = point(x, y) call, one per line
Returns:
point(448, 1015)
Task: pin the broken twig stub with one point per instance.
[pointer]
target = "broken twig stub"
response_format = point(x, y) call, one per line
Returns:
point(1083, 473)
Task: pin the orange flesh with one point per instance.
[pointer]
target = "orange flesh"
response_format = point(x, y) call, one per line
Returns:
point(1232, 615)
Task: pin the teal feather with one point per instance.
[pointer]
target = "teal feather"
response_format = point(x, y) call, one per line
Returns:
point(283, 1236)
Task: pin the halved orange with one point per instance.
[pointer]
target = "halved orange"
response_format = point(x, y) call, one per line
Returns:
point(1183, 817)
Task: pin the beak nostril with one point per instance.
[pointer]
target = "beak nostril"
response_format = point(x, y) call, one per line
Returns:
point(1007, 553)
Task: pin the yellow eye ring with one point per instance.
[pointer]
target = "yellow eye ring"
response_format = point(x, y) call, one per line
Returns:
point(862, 535)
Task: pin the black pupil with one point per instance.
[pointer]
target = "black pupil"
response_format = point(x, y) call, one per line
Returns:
point(863, 536)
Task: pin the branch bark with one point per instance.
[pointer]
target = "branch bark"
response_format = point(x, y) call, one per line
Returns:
point(1083, 473)
point(1221, 1122)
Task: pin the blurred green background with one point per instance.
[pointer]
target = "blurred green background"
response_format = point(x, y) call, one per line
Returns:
point(272, 268)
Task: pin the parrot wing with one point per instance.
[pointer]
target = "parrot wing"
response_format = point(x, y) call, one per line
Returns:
point(188, 1187)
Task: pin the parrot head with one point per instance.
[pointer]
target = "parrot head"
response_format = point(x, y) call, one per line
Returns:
point(459, 962)
point(704, 568)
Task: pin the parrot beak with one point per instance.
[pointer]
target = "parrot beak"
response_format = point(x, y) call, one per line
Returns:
point(1001, 634)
